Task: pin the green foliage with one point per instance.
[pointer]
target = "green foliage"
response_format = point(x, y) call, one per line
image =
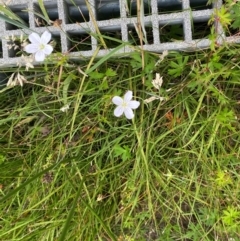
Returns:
point(222, 179)
point(43, 9)
point(66, 84)
point(226, 117)
point(230, 217)
point(104, 84)
point(222, 16)
point(96, 75)
point(235, 15)
point(2, 158)
point(110, 72)
point(149, 63)
point(194, 232)
point(209, 217)
point(122, 152)
point(179, 66)
point(9, 16)
point(170, 174)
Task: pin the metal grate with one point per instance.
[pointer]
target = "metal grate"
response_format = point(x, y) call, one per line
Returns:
point(114, 19)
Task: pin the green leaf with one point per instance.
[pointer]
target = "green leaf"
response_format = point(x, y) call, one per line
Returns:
point(104, 84)
point(123, 152)
point(106, 57)
point(230, 216)
point(41, 16)
point(149, 67)
point(235, 15)
point(110, 72)
point(41, 5)
point(13, 22)
point(226, 116)
point(179, 66)
point(137, 57)
point(66, 84)
point(9, 16)
point(96, 75)
point(224, 16)
point(136, 61)
point(2, 159)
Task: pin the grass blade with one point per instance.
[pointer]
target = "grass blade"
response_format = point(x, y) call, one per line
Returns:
point(5, 11)
point(43, 9)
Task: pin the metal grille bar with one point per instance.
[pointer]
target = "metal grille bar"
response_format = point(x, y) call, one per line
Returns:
point(84, 19)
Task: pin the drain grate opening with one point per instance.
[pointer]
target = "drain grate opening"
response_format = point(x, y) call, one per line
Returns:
point(134, 38)
point(171, 33)
point(110, 37)
point(109, 10)
point(232, 32)
point(77, 12)
point(12, 53)
point(200, 30)
point(52, 11)
point(14, 47)
point(165, 7)
point(200, 5)
point(79, 41)
point(56, 40)
point(22, 12)
point(132, 8)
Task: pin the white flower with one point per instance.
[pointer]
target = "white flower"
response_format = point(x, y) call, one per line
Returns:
point(125, 105)
point(39, 45)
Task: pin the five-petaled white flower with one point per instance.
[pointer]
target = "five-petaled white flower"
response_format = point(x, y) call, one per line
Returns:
point(125, 105)
point(39, 45)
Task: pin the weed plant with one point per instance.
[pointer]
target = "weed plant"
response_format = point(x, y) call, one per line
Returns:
point(80, 173)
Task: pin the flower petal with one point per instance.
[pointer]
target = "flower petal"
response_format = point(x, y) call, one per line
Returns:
point(133, 104)
point(128, 113)
point(128, 96)
point(34, 38)
point(118, 111)
point(117, 100)
point(39, 56)
point(48, 49)
point(45, 38)
point(31, 48)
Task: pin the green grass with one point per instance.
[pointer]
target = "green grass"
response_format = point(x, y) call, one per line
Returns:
point(170, 174)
